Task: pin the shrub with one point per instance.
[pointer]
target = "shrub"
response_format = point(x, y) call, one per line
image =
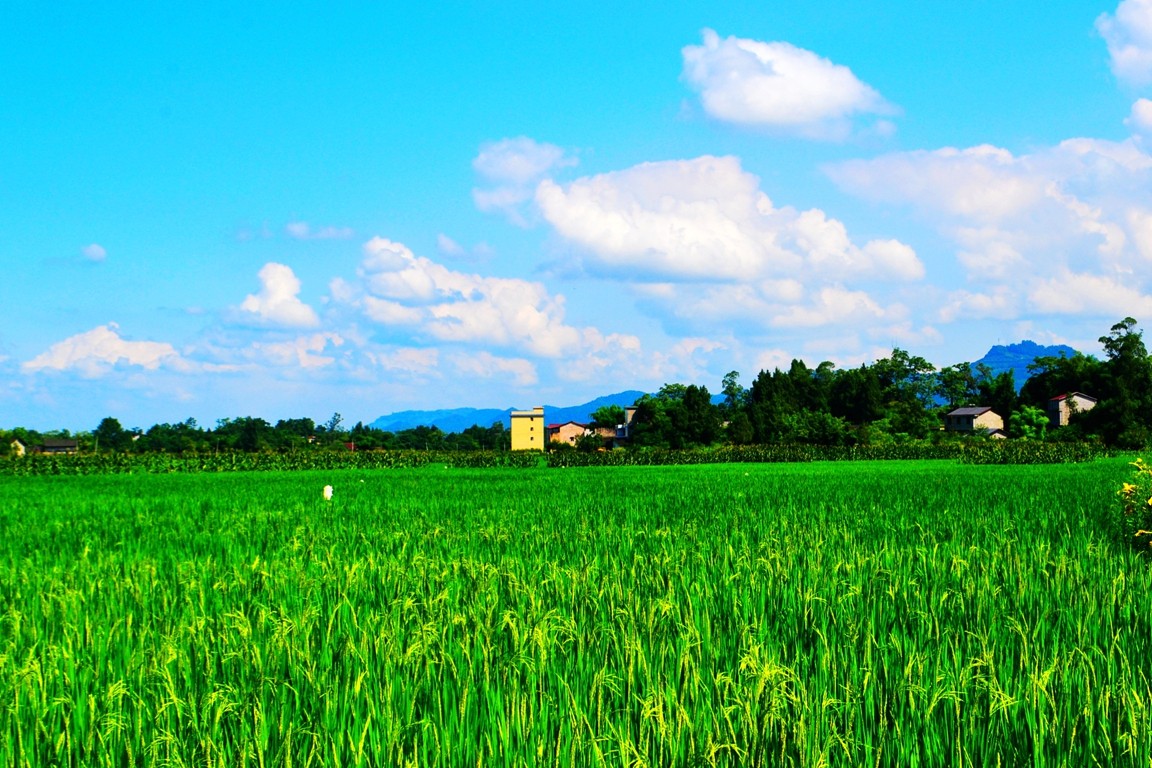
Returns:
point(1134, 520)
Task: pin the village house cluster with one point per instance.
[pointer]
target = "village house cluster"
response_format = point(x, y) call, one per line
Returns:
point(981, 418)
point(531, 433)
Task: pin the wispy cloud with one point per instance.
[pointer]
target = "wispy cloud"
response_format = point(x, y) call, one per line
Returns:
point(511, 168)
point(94, 252)
point(302, 230)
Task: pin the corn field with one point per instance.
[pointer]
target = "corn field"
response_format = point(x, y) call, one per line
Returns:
point(915, 613)
point(969, 452)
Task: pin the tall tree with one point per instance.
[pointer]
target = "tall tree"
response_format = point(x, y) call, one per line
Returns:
point(1124, 417)
point(998, 392)
point(696, 420)
point(110, 436)
point(607, 417)
point(956, 385)
point(733, 394)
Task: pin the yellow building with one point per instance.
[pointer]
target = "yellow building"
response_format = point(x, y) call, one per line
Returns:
point(528, 432)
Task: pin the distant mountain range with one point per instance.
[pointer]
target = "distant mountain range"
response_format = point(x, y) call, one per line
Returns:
point(459, 419)
point(1009, 357)
point(1017, 358)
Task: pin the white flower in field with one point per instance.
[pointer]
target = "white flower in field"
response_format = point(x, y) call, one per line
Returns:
point(327, 493)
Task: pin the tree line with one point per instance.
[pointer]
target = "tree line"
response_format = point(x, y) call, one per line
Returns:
point(896, 399)
point(255, 434)
point(904, 397)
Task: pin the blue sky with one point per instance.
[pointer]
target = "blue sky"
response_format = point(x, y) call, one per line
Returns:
point(213, 210)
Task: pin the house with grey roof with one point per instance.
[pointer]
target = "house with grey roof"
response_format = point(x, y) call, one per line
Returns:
point(978, 418)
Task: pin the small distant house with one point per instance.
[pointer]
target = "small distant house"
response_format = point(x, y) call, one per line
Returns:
point(998, 434)
point(529, 432)
point(18, 448)
point(568, 432)
point(979, 418)
point(59, 445)
point(1061, 407)
point(624, 431)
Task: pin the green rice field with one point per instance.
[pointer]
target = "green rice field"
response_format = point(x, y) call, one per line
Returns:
point(917, 613)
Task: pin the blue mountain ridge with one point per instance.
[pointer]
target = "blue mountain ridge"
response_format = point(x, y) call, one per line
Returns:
point(1000, 358)
point(1017, 358)
point(459, 419)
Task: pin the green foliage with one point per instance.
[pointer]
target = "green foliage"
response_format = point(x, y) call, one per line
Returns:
point(1133, 519)
point(1028, 423)
point(608, 416)
point(997, 392)
point(924, 613)
point(1124, 416)
point(956, 386)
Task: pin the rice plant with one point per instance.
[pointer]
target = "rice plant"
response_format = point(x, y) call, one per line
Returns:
point(818, 614)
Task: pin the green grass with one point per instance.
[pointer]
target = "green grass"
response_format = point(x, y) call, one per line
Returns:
point(879, 613)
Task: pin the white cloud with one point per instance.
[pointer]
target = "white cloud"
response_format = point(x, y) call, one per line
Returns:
point(302, 352)
point(485, 365)
point(1064, 230)
point(983, 183)
point(1068, 293)
point(836, 306)
point(1009, 214)
point(778, 85)
point(97, 351)
point(94, 252)
point(1139, 121)
point(1001, 303)
point(511, 168)
point(1128, 34)
point(398, 288)
point(454, 250)
point(906, 334)
point(302, 230)
point(706, 219)
point(277, 302)
point(771, 359)
point(449, 247)
point(409, 360)
point(602, 357)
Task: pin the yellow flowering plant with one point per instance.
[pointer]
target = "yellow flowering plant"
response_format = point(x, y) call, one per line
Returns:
point(1135, 519)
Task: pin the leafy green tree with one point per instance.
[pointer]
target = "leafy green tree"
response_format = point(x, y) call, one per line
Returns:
point(607, 417)
point(110, 436)
point(770, 401)
point(998, 392)
point(588, 443)
point(956, 385)
point(651, 424)
point(733, 393)
point(740, 429)
point(908, 384)
point(695, 419)
point(420, 438)
point(1028, 423)
point(1124, 416)
point(1050, 376)
point(333, 423)
point(856, 396)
